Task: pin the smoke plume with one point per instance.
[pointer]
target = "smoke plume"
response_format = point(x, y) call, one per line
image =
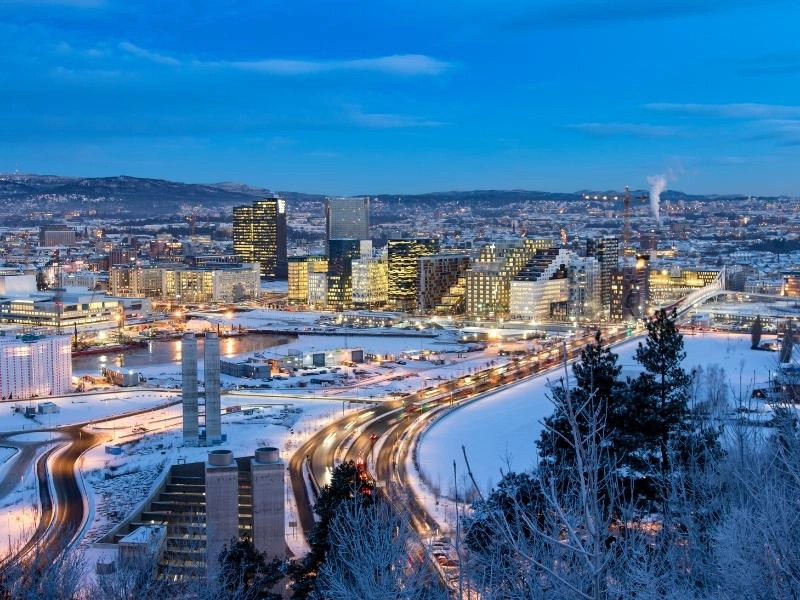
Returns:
point(658, 183)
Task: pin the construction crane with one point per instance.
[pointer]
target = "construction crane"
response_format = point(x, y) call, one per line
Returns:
point(626, 217)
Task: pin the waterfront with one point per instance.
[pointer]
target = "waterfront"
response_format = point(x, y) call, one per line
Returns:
point(166, 352)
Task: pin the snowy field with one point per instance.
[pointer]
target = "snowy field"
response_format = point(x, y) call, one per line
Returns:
point(500, 430)
point(80, 409)
point(120, 483)
point(19, 509)
point(168, 375)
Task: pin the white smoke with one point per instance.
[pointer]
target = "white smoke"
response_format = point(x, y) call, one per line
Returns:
point(658, 183)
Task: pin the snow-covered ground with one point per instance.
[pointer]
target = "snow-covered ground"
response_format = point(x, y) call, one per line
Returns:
point(119, 483)
point(500, 430)
point(80, 408)
point(370, 381)
point(19, 509)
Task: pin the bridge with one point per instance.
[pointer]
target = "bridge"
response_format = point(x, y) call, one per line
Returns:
point(709, 292)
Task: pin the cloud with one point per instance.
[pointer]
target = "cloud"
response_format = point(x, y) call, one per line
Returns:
point(580, 12)
point(730, 111)
point(785, 132)
point(357, 117)
point(396, 64)
point(161, 59)
point(624, 130)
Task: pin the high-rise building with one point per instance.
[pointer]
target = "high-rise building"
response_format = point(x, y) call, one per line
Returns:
point(269, 524)
point(189, 388)
point(300, 267)
point(222, 506)
point(212, 389)
point(584, 288)
point(606, 251)
point(402, 255)
point(436, 274)
point(488, 280)
point(370, 282)
point(347, 218)
point(317, 289)
point(629, 291)
point(341, 253)
point(540, 291)
point(32, 365)
point(259, 235)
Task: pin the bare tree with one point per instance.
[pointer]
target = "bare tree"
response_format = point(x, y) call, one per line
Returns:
point(375, 553)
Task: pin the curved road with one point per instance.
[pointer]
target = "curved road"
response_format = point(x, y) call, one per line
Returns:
point(363, 429)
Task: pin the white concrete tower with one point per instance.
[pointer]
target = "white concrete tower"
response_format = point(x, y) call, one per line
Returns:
point(211, 378)
point(189, 388)
point(266, 471)
point(222, 506)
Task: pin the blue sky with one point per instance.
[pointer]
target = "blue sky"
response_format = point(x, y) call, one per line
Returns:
point(349, 97)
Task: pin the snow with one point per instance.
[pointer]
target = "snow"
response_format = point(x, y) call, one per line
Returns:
point(500, 430)
point(19, 509)
point(82, 408)
point(118, 484)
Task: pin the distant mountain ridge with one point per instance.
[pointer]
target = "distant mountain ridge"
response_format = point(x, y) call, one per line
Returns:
point(159, 196)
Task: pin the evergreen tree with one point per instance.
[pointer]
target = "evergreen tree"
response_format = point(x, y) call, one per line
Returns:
point(597, 391)
point(515, 493)
point(661, 392)
point(246, 573)
point(755, 333)
point(347, 481)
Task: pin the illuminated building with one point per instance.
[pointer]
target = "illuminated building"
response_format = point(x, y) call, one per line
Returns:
point(606, 251)
point(180, 283)
point(370, 282)
point(629, 291)
point(259, 235)
point(488, 280)
point(340, 271)
point(791, 285)
point(668, 285)
point(584, 288)
point(33, 365)
point(540, 291)
point(299, 268)
point(44, 309)
point(402, 255)
point(436, 274)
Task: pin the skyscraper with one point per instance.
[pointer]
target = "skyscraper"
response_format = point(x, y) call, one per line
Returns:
point(347, 218)
point(259, 235)
point(341, 253)
point(606, 251)
point(403, 269)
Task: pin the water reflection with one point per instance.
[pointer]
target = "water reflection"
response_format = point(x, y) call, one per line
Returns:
point(164, 352)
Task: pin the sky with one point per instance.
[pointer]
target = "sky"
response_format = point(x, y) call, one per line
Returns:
point(352, 97)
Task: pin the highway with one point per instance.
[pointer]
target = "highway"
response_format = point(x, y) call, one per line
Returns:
point(355, 436)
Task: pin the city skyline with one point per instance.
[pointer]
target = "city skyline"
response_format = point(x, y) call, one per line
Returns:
point(549, 96)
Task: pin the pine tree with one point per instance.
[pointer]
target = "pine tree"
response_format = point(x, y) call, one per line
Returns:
point(755, 333)
point(246, 573)
point(597, 389)
point(661, 391)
